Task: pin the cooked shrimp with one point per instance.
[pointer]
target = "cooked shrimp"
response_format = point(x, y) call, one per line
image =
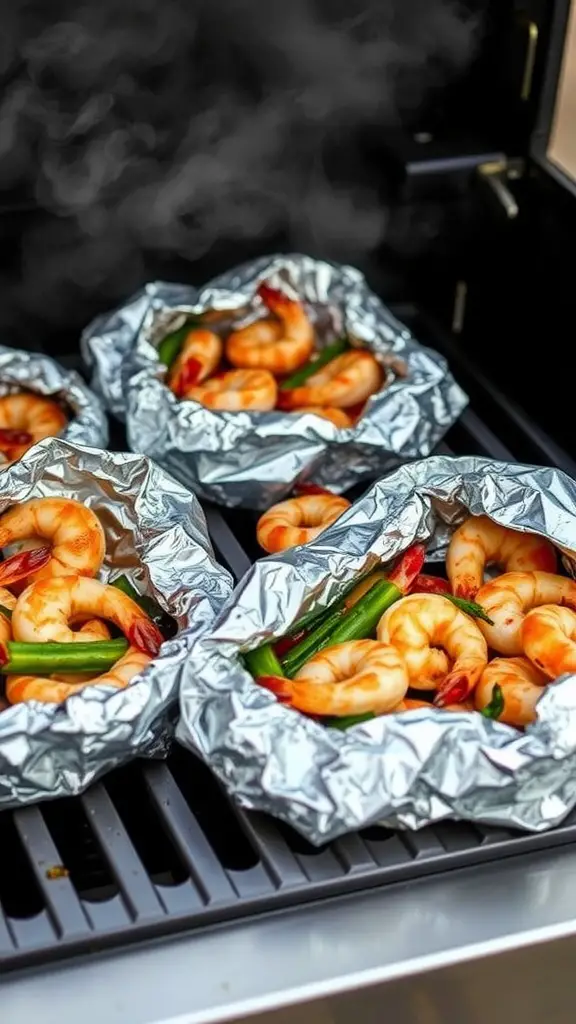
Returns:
point(409, 704)
point(418, 626)
point(52, 691)
point(348, 679)
point(548, 637)
point(8, 601)
point(75, 532)
point(480, 542)
point(47, 607)
point(336, 416)
point(521, 685)
point(345, 381)
point(237, 391)
point(198, 358)
point(508, 598)
point(280, 346)
point(30, 415)
point(298, 520)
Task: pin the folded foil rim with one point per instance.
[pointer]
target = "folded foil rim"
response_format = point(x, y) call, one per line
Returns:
point(40, 374)
point(54, 750)
point(401, 771)
point(254, 459)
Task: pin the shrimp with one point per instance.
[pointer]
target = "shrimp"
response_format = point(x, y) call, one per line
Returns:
point(336, 416)
point(54, 691)
point(278, 346)
point(45, 610)
point(548, 637)
point(237, 391)
point(26, 419)
point(75, 532)
point(480, 542)
point(418, 626)
point(345, 381)
point(8, 602)
point(521, 685)
point(508, 598)
point(298, 520)
point(198, 358)
point(409, 704)
point(347, 679)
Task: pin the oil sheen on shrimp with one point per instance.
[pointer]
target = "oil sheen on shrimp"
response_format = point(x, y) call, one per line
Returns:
point(46, 609)
point(479, 542)
point(349, 679)
point(298, 520)
point(280, 345)
point(73, 531)
point(198, 358)
point(237, 391)
point(548, 637)
point(33, 416)
point(430, 633)
point(345, 381)
point(521, 685)
point(508, 598)
point(53, 691)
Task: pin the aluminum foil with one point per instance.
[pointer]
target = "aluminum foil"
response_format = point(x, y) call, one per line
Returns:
point(39, 373)
point(401, 771)
point(254, 459)
point(156, 536)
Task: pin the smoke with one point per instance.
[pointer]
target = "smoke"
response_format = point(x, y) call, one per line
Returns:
point(150, 130)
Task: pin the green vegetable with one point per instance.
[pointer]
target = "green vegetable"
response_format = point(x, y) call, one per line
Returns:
point(5, 612)
point(263, 662)
point(309, 645)
point(361, 620)
point(45, 659)
point(170, 346)
point(348, 721)
point(496, 706)
point(148, 605)
point(326, 356)
point(470, 607)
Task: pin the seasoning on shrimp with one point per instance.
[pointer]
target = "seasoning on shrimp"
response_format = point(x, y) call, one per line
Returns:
point(44, 611)
point(199, 357)
point(75, 533)
point(32, 416)
point(347, 679)
point(480, 542)
point(237, 391)
point(548, 636)
point(430, 633)
point(347, 380)
point(23, 688)
point(279, 345)
point(298, 520)
point(508, 598)
point(521, 685)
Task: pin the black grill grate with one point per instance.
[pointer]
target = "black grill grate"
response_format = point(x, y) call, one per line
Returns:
point(158, 848)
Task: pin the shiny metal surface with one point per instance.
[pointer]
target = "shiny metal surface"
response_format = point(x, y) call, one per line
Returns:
point(252, 459)
point(423, 953)
point(398, 770)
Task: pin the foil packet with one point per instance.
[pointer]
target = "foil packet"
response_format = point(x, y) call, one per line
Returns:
point(401, 771)
point(254, 459)
point(156, 536)
point(32, 371)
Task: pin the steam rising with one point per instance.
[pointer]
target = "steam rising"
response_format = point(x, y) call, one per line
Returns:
point(165, 128)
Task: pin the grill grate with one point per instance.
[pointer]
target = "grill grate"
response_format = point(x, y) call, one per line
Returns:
point(158, 848)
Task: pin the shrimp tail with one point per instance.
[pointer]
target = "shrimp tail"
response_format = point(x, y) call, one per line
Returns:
point(14, 437)
point(188, 376)
point(279, 686)
point(23, 564)
point(273, 298)
point(145, 636)
point(455, 688)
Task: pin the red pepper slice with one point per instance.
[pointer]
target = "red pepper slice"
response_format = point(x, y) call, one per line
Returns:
point(408, 567)
point(430, 585)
